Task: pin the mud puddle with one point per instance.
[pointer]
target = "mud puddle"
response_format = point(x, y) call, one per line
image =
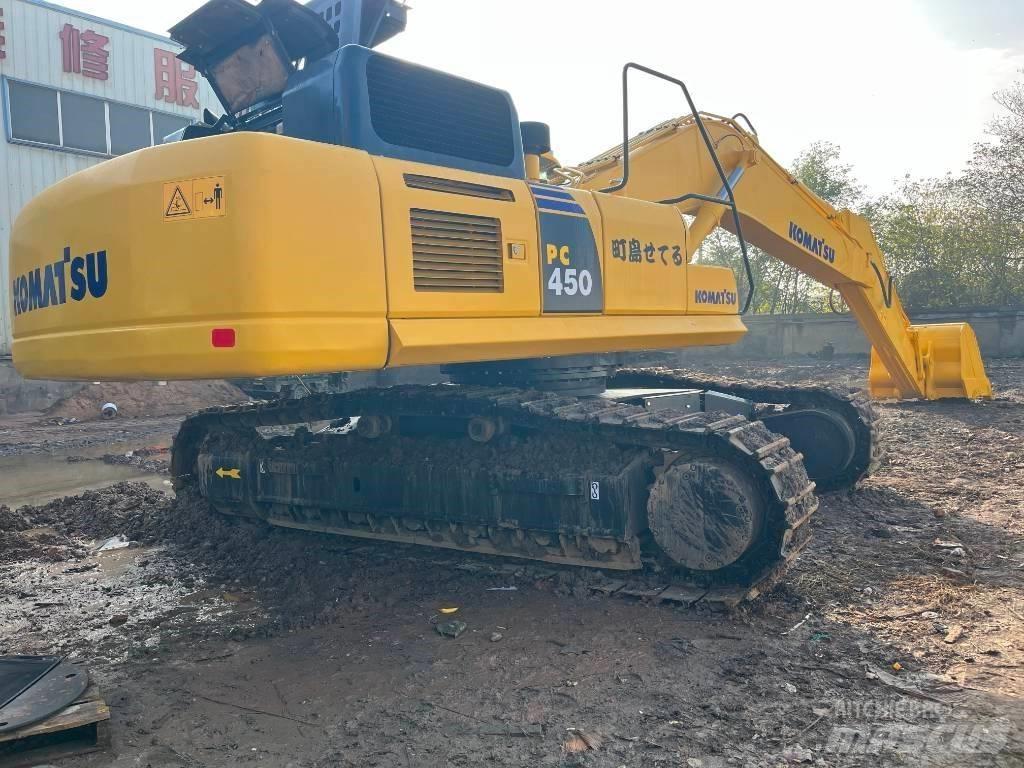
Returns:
point(37, 479)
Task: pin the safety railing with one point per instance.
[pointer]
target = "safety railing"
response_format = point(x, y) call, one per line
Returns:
point(730, 198)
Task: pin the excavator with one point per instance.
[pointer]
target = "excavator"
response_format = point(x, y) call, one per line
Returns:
point(351, 211)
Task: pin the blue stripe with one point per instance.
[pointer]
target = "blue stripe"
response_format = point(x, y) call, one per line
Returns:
point(558, 205)
point(551, 192)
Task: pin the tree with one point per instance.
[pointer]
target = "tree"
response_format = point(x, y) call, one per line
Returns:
point(959, 240)
point(819, 168)
point(947, 247)
point(996, 171)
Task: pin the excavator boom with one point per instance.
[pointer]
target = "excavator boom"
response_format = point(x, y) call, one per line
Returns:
point(786, 219)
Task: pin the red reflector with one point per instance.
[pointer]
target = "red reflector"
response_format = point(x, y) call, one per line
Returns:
point(223, 337)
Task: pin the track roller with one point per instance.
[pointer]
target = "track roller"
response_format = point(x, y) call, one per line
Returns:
point(704, 513)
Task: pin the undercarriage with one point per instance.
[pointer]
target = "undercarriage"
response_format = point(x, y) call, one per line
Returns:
point(655, 476)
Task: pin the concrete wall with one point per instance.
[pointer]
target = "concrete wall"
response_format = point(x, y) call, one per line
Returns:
point(1000, 333)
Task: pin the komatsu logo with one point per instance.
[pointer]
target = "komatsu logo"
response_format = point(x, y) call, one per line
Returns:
point(714, 297)
point(71, 278)
point(815, 245)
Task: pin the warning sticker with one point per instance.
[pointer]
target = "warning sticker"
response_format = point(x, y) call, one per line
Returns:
point(204, 198)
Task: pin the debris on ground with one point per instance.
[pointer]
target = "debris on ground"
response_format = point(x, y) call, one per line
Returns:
point(114, 542)
point(452, 628)
point(220, 636)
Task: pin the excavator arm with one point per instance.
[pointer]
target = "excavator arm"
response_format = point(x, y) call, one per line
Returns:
point(672, 163)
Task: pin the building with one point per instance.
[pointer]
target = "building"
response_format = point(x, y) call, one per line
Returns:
point(77, 90)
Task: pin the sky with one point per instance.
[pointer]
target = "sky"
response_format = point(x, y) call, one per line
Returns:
point(902, 86)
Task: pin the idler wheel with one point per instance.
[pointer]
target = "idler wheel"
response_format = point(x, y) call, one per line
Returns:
point(825, 439)
point(704, 513)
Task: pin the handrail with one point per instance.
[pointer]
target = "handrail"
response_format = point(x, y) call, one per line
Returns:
point(726, 185)
point(746, 119)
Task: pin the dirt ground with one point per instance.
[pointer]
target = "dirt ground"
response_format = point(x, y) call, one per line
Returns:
point(897, 640)
point(145, 398)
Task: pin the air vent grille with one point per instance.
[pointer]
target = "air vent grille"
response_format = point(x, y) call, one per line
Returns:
point(453, 187)
point(456, 252)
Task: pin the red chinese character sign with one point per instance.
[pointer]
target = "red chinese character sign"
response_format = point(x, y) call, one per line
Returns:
point(3, 39)
point(85, 53)
point(175, 81)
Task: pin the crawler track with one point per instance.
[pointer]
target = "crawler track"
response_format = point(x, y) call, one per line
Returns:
point(855, 407)
point(777, 470)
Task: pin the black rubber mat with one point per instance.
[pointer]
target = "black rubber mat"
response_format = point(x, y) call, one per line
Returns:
point(18, 673)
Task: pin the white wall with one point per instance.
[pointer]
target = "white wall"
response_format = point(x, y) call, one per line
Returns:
point(34, 54)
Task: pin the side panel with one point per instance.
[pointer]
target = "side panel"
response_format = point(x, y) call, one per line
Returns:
point(712, 290)
point(457, 340)
point(115, 277)
point(645, 257)
point(254, 254)
point(456, 243)
point(572, 270)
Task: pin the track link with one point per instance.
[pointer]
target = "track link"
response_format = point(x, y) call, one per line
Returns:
point(768, 459)
point(854, 406)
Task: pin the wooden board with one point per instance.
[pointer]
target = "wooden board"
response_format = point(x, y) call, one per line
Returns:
point(81, 727)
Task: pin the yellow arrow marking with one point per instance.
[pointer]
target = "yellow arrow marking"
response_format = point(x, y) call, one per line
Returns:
point(234, 474)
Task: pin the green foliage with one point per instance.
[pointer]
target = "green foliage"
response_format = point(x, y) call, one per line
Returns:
point(959, 240)
point(947, 247)
point(821, 171)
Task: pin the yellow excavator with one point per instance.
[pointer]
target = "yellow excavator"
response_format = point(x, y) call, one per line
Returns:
point(351, 211)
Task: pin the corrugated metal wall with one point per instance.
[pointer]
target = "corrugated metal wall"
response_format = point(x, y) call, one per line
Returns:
point(33, 53)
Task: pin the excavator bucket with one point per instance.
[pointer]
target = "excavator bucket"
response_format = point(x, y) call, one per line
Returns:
point(951, 362)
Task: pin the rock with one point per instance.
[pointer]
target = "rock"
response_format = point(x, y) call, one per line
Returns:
point(118, 620)
point(954, 634)
point(798, 754)
point(789, 688)
point(956, 575)
point(452, 628)
point(114, 542)
point(496, 637)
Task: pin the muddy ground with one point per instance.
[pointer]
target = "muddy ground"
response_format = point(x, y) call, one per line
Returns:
point(898, 639)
